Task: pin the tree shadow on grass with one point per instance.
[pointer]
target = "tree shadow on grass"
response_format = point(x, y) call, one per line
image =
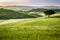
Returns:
point(55, 17)
point(23, 17)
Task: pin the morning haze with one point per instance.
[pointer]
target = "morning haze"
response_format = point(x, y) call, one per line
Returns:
point(29, 19)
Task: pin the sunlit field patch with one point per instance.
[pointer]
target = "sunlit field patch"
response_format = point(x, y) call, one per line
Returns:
point(33, 29)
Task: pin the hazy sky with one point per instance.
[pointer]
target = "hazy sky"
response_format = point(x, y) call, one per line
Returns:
point(31, 2)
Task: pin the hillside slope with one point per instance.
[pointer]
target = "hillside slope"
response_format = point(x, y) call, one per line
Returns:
point(10, 14)
point(34, 29)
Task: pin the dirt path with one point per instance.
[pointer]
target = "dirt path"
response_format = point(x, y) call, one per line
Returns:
point(11, 21)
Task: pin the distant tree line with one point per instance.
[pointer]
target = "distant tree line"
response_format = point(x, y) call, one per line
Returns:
point(42, 9)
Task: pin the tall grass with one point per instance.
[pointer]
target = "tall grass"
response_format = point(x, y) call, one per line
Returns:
point(34, 29)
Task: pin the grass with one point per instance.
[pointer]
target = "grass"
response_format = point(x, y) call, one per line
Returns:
point(34, 29)
point(2, 20)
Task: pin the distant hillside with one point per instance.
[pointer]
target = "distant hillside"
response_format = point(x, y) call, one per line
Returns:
point(51, 7)
point(20, 7)
point(7, 14)
point(25, 8)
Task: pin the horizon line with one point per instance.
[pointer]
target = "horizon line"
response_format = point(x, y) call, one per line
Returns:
point(27, 5)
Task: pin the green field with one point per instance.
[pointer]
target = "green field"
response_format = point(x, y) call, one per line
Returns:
point(43, 28)
point(1, 20)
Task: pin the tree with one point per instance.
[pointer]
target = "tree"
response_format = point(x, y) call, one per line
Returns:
point(49, 12)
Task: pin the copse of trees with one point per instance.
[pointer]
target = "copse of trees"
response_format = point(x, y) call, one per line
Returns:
point(49, 12)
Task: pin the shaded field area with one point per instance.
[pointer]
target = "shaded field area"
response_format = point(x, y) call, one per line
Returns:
point(11, 14)
point(55, 16)
point(43, 28)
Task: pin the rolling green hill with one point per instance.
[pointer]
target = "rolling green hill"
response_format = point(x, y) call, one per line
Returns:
point(16, 8)
point(10, 14)
point(34, 29)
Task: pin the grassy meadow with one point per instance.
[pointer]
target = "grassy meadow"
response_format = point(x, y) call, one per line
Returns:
point(36, 27)
point(42, 28)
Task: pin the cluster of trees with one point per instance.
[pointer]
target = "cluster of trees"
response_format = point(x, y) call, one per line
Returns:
point(43, 9)
point(49, 12)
